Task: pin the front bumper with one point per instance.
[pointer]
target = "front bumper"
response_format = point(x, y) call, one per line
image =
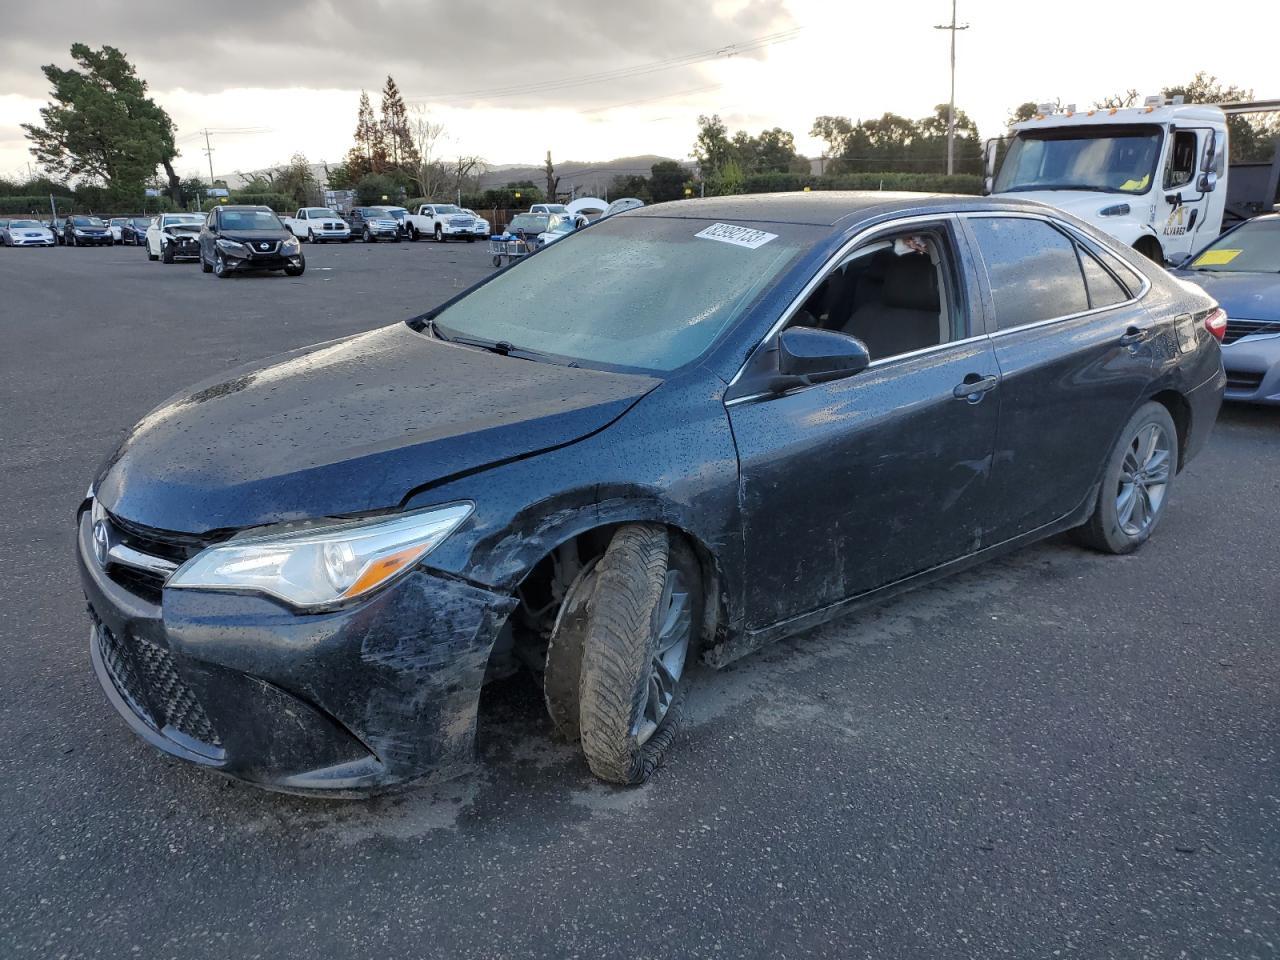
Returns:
point(254, 259)
point(339, 703)
point(184, 249)
point(1253, 369)
point(343, 234)
point(95, 241)
point(31, 241)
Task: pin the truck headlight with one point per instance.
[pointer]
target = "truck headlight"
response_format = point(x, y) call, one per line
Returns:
point(322, 566)
point(291, 245)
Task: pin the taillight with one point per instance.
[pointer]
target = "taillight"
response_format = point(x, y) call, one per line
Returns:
point(1216, 323)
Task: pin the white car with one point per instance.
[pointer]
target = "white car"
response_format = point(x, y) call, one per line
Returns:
point(622, 205)
point(560, 227)
point(26, 233)
point(481, 222)
point(559, 208)
point(318, 224)
point(174, 236)
point(117, 224)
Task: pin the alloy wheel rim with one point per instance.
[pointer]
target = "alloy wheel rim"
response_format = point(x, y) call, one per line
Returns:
point(1144, 479)
point(666, 666)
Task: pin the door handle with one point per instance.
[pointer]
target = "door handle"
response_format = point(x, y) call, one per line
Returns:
point(1132, 336)
point(974, 386)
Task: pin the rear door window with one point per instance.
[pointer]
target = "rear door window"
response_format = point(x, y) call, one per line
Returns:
point(1032, 270)
point(1104, 289)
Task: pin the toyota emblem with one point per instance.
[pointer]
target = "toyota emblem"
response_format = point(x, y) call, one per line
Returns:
point(100, 542)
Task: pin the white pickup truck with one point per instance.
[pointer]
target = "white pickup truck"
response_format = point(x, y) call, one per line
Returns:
point(317, 225)
point(445, 221)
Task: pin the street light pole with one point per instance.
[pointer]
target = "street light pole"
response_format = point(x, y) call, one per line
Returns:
point(951, 108)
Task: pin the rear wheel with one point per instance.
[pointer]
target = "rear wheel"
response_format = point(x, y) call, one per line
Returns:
point(1135, 483)
point(642, 622)
point(1150, 248)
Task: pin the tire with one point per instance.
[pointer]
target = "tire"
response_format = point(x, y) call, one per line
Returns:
point(151, 256)
point(166, 254)
point(412, 233)
point(1148, 450)
point(367, 236)
point(220, 267)
point(497, 260)
point(1150, 248)
point(295, 271)
point(439, 234)
point(648, 589)
point(205, 266)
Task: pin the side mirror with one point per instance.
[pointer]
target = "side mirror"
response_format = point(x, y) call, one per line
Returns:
point(1209, 164)
point(808, 355)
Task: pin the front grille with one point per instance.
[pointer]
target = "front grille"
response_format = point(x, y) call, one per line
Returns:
point(256, 247)
point(1243, 380)
point(1245, 328)
point(175, 547)
point(146, 676)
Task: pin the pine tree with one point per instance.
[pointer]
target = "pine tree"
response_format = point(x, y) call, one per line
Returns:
point(397, 137)
point(360, 159)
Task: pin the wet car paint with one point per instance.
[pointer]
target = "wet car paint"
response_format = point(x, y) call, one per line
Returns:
point(792, 527)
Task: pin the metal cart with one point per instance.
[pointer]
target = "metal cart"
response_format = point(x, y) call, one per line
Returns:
point(510, 248)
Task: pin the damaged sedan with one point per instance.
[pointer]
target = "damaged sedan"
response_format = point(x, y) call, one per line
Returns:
point(758, 414)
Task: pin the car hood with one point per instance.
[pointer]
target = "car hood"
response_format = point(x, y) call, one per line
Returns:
point(182, 228)
point(1245, 296)
point(348, 427)
point(249, 236)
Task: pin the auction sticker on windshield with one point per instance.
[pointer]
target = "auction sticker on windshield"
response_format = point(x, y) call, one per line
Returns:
point(738, 236)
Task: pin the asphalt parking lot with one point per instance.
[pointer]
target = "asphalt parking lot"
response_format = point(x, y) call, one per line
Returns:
point(1056, 755)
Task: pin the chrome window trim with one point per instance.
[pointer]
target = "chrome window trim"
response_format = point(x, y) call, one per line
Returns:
point(821, 274)
point(1073, 234)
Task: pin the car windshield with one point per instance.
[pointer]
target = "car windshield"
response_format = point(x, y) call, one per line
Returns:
point(250, 220)
point(643, 292)
point(141, 222)
point(552, 208)
point(1252, 247)
point(531, 222)
point(86, 222)
point(119, 221)
point(1107, 160)
point(25, 224)
point(187, 218)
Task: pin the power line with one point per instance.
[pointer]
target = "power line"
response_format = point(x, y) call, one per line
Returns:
point(623, 73)
point(951, 108)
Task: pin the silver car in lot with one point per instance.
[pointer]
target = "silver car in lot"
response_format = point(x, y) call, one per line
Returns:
point(1241, 270)
point(25, 233)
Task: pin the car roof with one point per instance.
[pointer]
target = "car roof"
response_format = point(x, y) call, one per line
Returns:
point(825, 208)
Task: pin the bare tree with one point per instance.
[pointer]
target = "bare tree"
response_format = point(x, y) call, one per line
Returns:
point(553, 182)
point(467, 170)
point(427, 135)
point(1119, 100)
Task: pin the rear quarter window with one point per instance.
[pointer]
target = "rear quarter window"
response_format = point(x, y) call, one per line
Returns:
point(1032, 270)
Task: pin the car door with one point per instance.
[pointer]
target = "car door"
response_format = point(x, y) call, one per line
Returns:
point(857, 483)
point(1074, 354)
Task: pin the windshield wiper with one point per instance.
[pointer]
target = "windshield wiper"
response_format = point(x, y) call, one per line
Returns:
point(504, 348)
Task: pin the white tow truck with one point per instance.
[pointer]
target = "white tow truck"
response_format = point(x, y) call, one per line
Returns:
point(445, 221)
point(1154, 177)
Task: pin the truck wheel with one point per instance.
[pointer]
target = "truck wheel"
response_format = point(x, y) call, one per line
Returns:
point(1135, 483)
point(439, 234)
point(367, 237)
point(644, 617)
point(412, 233)
point(1150, 248)
point(311, 236)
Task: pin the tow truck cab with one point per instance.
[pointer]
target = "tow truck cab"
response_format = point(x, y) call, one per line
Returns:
point(1154, 177)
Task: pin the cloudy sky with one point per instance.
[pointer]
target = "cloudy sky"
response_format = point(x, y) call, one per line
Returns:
point(598, 79)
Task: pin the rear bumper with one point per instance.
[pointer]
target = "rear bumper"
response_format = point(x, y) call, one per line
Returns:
point(1253, 370)
point(1205, 402)
point(342, 703)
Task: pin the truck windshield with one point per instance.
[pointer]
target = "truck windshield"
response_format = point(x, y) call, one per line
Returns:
point(1253, 247)
point(446, 208)
point(1102, 159)
point(640, 292)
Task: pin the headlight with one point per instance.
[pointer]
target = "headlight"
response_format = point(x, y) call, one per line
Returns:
point(291, 245)
point(78, 233)
point(231, 246)
point(322, 565)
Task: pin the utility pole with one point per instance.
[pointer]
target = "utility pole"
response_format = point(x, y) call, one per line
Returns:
point(951, 109)
point(208, 150)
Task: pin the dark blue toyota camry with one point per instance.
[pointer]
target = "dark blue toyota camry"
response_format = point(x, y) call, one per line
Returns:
point(667, 439)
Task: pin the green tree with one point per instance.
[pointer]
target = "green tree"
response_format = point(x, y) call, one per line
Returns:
point(295, 180)
point(712, 147)
point(630, 185)
point(101, 125)
point(372, 187)
point(368, 153)
point(397, 137)
point(667, 181)
point(1252, 137)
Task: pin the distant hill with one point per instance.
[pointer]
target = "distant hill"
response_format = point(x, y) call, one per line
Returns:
point(589, 177)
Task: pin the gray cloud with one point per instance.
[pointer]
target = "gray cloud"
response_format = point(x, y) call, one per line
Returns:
point(433, 47)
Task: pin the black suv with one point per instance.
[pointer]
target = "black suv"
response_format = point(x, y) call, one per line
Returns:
point(237, 239)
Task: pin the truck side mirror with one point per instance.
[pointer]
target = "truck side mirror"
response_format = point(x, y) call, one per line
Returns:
point(1209, 178)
